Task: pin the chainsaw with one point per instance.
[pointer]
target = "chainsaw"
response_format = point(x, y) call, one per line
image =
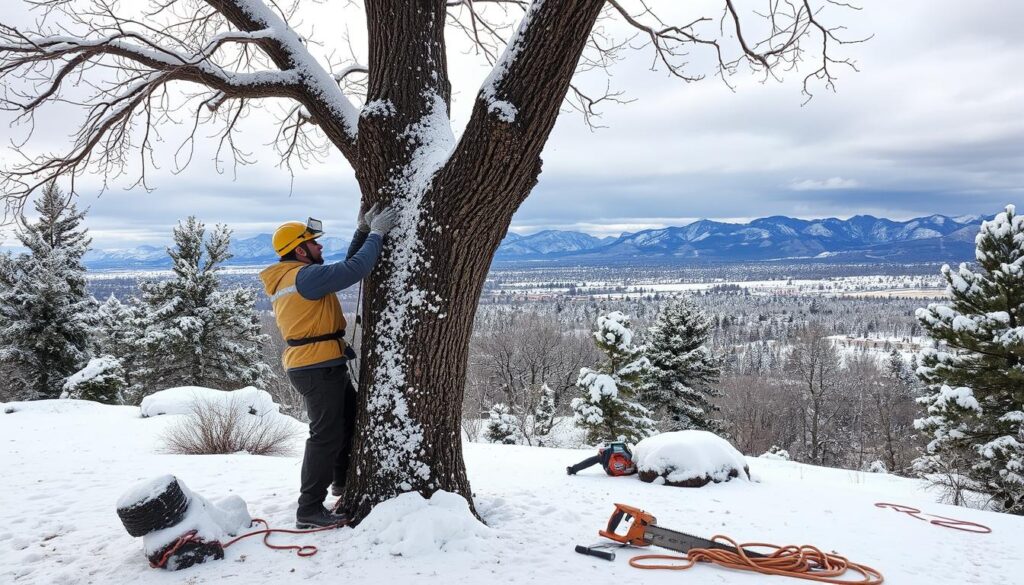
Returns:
point(644, 531)
point(615, 458)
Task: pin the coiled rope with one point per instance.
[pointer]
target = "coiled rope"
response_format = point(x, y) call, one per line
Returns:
point(306, 550)
point(801, 562)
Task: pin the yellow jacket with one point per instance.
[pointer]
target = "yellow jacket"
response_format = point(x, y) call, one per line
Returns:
point(300, 318)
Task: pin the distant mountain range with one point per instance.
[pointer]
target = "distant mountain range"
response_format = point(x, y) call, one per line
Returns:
point(862, 238)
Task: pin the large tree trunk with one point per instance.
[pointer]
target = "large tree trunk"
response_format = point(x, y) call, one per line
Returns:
point(457, 201)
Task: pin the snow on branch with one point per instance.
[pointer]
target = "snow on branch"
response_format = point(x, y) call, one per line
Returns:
point(116, 65)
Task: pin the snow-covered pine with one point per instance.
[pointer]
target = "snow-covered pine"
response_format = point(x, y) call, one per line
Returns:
point(501, 428)
point(678, 386)
point(195, 333)
point(608, 408)
point(120, 329)
point(775, 452)
point(101, 380)
point(975, 407)
point(44, 305)
point(544, 415)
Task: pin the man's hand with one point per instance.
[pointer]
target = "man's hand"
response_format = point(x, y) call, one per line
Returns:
point(366, 217)
point(384, 222)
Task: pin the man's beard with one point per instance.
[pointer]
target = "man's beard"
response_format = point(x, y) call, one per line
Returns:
point(309, 254)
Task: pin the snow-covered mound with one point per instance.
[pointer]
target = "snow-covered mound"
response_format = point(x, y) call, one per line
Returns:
point(411, 525)
point(182, 399)
point(688, 458)
point(54, 406)
point(212, 520)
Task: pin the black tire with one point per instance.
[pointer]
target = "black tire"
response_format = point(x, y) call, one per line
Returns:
point(163, 511)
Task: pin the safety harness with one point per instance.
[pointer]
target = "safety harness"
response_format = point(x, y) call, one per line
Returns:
point(339, 335)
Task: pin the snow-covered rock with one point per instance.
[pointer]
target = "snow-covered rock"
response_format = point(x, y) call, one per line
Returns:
point(688, 459)
point(181, 400)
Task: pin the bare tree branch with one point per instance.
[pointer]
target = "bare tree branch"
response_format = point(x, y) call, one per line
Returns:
point(235, 50)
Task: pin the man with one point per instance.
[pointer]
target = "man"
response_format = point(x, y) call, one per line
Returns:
point(310, 318)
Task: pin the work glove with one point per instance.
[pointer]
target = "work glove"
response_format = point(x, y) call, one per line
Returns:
point(384, 221)
point(365, 217)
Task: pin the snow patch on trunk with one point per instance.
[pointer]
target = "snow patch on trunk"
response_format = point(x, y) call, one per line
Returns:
point(391, 427)
point(505, 110)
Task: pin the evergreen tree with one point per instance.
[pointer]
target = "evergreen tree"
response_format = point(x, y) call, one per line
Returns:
point(975, 395)
point(44, 306)
point(608, 409)
point(196, 334)
point(544, 416)
point(119, 334)
point(683, 369)
point(501, 428)
point(101, 380)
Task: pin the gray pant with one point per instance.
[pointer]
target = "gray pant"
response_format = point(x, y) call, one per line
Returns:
point(331, 405)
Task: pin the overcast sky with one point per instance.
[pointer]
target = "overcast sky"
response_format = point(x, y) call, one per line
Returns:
point(932, 123)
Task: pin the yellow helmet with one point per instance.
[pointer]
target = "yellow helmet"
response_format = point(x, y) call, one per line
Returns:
point(290, 234)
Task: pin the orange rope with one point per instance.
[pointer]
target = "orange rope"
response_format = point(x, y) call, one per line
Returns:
point(801, 562)
point(965, 525)
point(182, 541)
point(306, 550)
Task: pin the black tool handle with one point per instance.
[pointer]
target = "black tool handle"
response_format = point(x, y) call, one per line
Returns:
point(574, 469)
point(601, 554)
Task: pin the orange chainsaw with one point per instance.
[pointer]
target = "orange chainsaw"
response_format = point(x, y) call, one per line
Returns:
point(644, 531)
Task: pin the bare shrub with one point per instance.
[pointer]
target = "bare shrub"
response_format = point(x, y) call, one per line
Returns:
point(222, 427)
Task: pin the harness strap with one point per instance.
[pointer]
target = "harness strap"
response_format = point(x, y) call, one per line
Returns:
point(340, 334)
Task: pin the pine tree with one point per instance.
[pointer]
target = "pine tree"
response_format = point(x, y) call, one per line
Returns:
point(44, 305)
point(119, 334)
point(501, 428)
point(608, 409)
point(975, 395)
point(101, 380)
point(196, 334)
point(544, 416)
point(683, 369)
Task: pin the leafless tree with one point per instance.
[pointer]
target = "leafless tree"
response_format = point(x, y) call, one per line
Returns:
point(456, 197)
point(514, 354)
point(816, 364)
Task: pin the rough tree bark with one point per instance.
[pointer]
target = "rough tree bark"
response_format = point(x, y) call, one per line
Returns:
point(456, 198)
point(422, 299)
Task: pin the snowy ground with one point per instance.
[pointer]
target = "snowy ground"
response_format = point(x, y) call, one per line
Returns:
point(65, 464)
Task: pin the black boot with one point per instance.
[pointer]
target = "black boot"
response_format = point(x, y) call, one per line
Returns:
point(319, 518)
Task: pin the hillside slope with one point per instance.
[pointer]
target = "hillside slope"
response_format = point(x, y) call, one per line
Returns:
point(66, 463)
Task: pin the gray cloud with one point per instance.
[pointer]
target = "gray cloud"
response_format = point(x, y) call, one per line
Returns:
point(933, 123)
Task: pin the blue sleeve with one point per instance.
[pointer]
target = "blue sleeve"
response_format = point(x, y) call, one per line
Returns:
point(357, 242)
point(316, 281)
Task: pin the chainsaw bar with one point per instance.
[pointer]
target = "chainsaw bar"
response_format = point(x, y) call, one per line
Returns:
point(643, 530)
point(682, 542)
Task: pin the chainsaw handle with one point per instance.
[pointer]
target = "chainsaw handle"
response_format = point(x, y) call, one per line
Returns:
point(616, 518)
point(636, 532)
